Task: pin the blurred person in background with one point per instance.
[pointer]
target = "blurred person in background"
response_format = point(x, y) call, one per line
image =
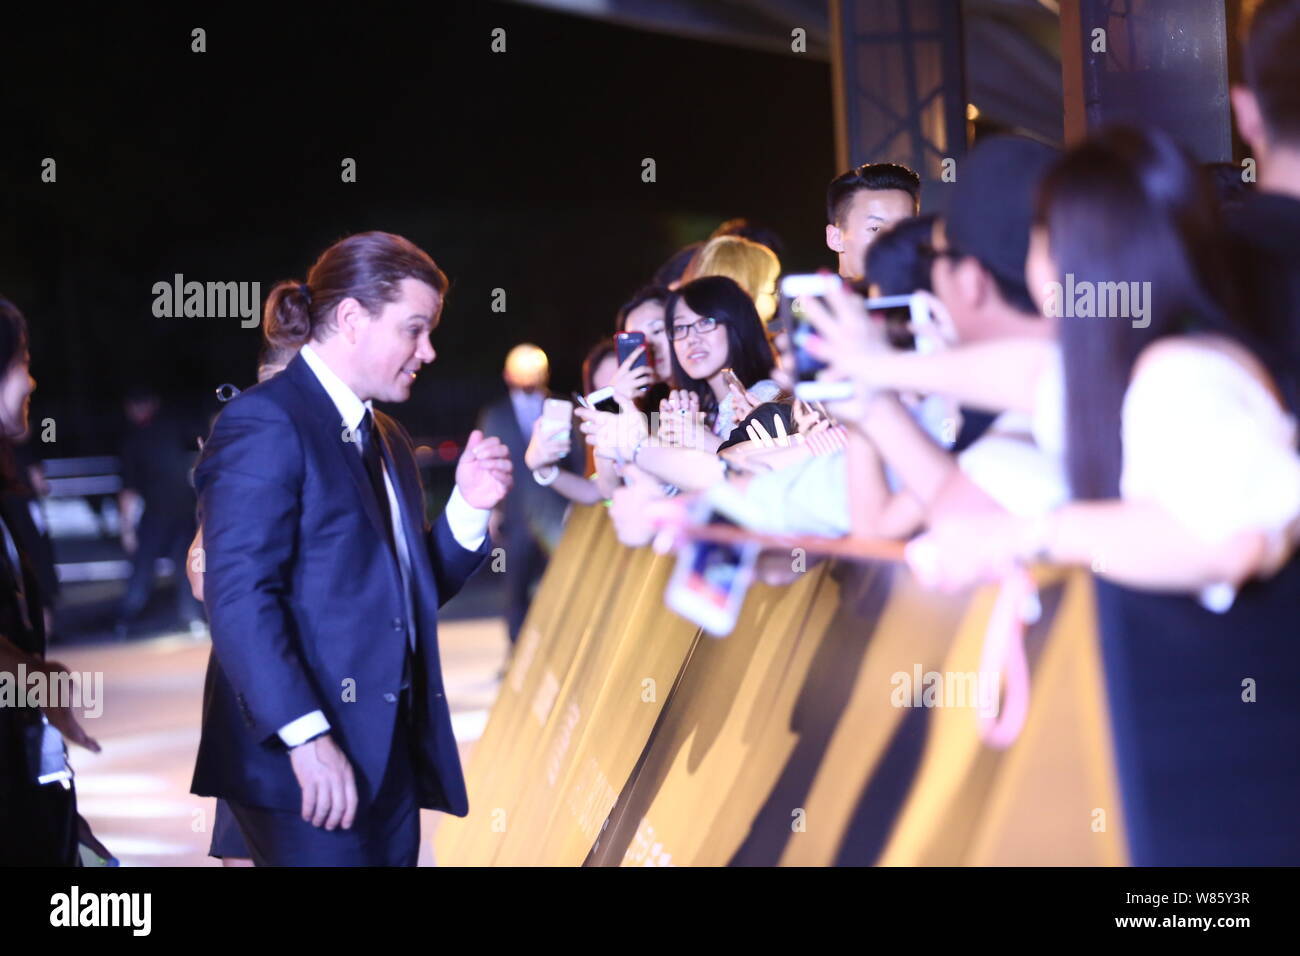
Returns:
point(669, 275)
point(29, 489)
point(157, 456)
point(752, 266)
point(1265, 226)
point(754, 232)
point(530, 519)
point(549, 446)
point(644, 313)
point(861, 204)
point(39, 824)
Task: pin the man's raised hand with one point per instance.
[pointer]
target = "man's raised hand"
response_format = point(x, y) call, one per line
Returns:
point(483, 472)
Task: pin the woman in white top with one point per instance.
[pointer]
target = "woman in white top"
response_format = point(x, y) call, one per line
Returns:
point(1180, 446)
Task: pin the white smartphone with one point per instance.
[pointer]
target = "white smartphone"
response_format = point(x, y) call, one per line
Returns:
point(557, 413)
point(600, 395)
point(560, 409)
point(711, 579)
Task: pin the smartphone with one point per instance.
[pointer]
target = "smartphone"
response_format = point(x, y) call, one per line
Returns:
point(711, 579)
point(601, 400)
point(560, 409)
point(910, 322)
point(790, 320)
point(558, 413)
point(918, 322)
point(626, 343)
point(731, 378)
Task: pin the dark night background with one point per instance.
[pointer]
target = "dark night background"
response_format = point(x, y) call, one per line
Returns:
point(519, 170)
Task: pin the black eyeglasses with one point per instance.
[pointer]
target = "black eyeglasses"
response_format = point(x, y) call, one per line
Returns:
point(703, 326)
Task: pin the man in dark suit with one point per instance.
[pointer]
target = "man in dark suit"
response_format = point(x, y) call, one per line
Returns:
point(532, 516)
point(325, 722)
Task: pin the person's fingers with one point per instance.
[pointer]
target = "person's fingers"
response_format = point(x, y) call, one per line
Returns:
point(761, 432)
point(749, 430)
point(779, 425)
point(350, 799)
point(309, 801)
point(322, 803)
point(626, 365)
point(78, 735)
point(475, 437)
point(335, 816)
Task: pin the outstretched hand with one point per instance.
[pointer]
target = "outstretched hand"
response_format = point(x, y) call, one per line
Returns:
point(483, 472)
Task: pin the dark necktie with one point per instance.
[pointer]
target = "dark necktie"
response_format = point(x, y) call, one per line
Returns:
point(373, 460)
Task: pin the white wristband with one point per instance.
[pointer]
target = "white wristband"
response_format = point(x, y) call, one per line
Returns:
point(548, 479)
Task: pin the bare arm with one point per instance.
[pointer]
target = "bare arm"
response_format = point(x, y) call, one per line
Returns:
point(1001, 375)
point(690, 469)
point(584, 491)
point(1139, 544)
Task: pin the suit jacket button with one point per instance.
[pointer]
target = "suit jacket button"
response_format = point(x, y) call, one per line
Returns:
point(438, 694)
point(398, 624)
point(390, 698)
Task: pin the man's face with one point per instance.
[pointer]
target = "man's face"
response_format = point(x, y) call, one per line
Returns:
point(392, 346)
point(869, 213)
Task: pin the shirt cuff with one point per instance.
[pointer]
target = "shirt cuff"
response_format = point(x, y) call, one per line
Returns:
point(304, 728)
point(469, 525)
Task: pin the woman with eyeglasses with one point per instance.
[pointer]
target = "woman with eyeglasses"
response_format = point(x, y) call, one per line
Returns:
point(714, 328)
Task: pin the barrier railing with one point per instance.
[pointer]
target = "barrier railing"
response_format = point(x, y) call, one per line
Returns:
point(824, 729)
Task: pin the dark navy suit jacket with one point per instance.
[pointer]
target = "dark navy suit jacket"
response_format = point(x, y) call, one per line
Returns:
point(305, 602)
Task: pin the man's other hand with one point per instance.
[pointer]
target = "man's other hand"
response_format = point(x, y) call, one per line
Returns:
point(329, 790)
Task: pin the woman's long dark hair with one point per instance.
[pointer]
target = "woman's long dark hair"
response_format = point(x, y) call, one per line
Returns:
point(748, 353)
point(13, 344)
point(1128, 206)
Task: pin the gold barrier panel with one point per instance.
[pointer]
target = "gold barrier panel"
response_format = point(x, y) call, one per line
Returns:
point(597, 657)
point(785, 741)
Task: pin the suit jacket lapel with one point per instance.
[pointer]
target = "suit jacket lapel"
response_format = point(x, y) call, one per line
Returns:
point(408, 491)
point(327, 414)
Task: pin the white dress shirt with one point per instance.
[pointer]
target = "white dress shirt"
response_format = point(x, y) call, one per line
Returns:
point(468, 525)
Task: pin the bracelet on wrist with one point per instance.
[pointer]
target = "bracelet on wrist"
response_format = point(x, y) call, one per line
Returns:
point(543, 477)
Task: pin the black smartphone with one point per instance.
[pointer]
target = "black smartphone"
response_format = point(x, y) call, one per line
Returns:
point(626, 343)
point(791, 321)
